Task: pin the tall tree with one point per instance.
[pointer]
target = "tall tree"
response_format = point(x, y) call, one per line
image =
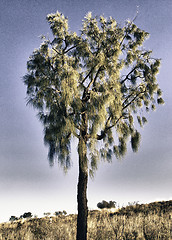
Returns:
point(94, 86)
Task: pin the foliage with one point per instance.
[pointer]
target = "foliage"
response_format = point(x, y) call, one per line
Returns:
point(47, 214)
point(13, 218)
point(60, 213)
point(152, 221)
point(98, 82)
point(104, 204)
point(26, 215)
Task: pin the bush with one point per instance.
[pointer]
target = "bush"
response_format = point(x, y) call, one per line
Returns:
point(104, 204)
point(26, 215)
point(60, 213)
point(47, 214)
point(13, 218)
point(64, 212)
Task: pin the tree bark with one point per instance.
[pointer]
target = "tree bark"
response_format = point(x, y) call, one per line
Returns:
point(82, 191)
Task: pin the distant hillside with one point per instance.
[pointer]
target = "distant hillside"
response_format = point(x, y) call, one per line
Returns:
point(155, 207)
point(140, 222)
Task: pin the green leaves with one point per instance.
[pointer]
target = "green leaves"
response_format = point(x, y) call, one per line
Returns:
point(135, 141)
point(91, 85)
point(58, 24)
point(160, 101)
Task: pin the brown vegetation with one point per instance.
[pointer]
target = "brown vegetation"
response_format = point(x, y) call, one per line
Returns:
point(140, 222)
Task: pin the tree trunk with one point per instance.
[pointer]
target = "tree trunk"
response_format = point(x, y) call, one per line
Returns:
point(82, 192)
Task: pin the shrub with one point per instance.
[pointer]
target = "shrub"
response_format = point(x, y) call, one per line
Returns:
point(13, 218)
point(47, 214)
point(64, 212)
point(60, 213)
point(104, 204)
point(26, 215)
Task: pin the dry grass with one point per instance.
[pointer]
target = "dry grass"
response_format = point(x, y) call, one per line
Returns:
point(139, 227)
point(139, 222)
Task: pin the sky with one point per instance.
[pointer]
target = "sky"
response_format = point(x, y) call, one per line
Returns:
point(27, 182)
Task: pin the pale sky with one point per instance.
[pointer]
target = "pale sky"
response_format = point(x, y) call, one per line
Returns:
point(27, 183)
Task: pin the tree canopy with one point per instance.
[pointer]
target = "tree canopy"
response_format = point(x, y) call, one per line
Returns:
point(104, 72)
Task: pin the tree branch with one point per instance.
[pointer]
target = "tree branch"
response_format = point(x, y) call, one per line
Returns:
point(132, 100)
point(128, 75)
point(76, 135)
point(103, 133)
point(70, 48)
point(56, 51)
point(91, 70)
point(129, 27)
point(96, 76)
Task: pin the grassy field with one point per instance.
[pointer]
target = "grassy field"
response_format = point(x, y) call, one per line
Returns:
point(140, 222)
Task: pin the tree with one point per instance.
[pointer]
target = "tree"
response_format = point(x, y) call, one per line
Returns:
point(60, 213)
point(47, 214)
point(26, 215)
point(104, 204)
point(91, 86)
point(13, 218)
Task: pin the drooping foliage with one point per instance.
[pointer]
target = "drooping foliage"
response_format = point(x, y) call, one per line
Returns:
point(103, 73)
